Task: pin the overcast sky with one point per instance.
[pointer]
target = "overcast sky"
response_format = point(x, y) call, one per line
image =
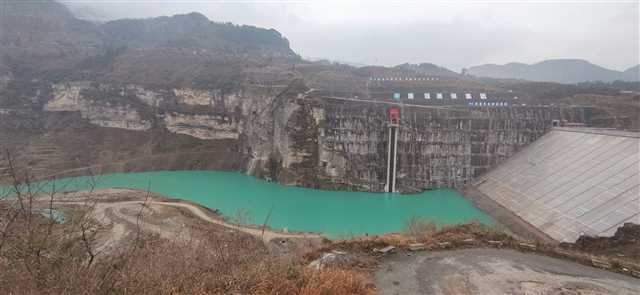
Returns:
point(454, 34)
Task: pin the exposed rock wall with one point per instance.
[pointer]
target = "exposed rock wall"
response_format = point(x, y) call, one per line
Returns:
point(199, 113)
point(114, 114)
point(202, 126)
point(121, 128)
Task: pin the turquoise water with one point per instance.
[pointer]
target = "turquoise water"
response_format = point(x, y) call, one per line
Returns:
point(335, 214)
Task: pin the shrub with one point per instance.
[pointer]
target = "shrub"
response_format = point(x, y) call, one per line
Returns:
point(420, 229)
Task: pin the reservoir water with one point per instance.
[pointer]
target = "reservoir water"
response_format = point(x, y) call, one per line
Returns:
point(336, 214)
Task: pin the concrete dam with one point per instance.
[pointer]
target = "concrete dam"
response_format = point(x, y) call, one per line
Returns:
point(571, 182)
point(436, 146)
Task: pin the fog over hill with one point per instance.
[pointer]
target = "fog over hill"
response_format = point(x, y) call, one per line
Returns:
point(428, 69)
point(44, 39)
point(54, 41)
point(556, 70)
point(633, 73)
point(456, 35)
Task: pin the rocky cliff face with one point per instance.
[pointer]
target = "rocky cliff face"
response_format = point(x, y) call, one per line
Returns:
point(71, 97)
point(118, 128)
point(203, 114)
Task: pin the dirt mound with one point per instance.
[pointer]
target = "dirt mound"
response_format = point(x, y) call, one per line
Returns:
point(625, 242)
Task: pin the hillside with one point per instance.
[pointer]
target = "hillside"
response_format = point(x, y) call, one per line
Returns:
point(557, 70)
point(44, 35)
point(194, 30)
point(428, 69)
point(44, 40)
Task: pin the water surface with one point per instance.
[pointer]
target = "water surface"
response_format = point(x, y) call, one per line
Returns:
point(336, 214)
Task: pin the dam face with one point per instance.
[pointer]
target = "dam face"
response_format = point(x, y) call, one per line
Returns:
point(449, 133)
point(435, 148)
point(571, 182)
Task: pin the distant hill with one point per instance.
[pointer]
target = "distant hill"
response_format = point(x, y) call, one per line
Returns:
point(427, 69)
point(85, 11)
point(633, 73)
point(556, 70)
point(194, 30)
point(330, 61)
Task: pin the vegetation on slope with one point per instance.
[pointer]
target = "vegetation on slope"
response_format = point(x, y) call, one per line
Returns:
point(39, 255)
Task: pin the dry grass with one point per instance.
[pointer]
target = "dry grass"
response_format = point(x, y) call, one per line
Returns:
point(419, 228)
point(422, 231)
point(40, 256)
point(335, 281)
point(233, 263)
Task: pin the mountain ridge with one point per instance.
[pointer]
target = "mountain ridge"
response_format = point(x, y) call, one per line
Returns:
point(566, 71)
point(428, 69)
point(45, 39)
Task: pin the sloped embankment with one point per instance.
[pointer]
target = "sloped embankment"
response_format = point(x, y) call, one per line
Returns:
point(571, 182)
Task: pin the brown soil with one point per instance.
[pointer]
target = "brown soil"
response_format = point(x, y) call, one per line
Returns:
point(469, 236)
point(625, 243)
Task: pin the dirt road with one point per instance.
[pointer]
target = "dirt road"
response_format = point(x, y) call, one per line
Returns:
point(106, 212)
point(267, 236)
point(492, 271)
